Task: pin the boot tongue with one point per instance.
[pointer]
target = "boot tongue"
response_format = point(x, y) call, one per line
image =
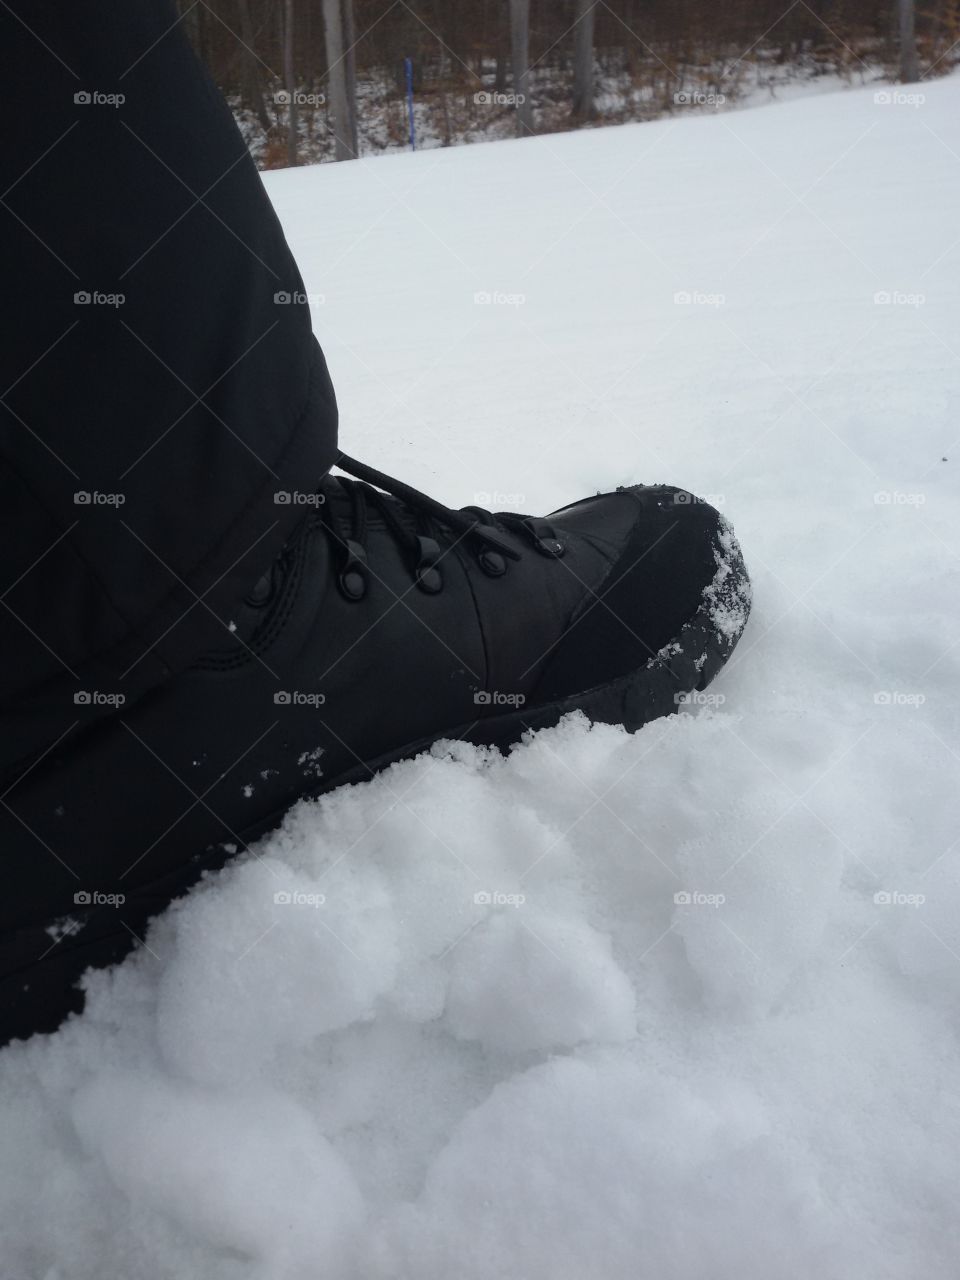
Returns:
point(336, 498)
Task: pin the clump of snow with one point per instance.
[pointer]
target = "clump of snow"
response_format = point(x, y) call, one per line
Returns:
point(531, 981)
point(63, 928)
point(309, 762)
point(729, 594)
point(681, 1004)
point(231, 1169)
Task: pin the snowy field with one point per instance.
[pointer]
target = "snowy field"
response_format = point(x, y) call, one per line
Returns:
point(678, 1006)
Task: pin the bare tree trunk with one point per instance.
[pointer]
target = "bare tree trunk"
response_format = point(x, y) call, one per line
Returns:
point(909, 67)
point(350, 34)
point(500, 76)
point(583, 59)
point(501, 46)
point(520, 56)
point(249, 71)
point(337, 80)
point(290, 82)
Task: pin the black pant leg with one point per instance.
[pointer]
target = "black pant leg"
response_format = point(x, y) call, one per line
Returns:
point(155, 393)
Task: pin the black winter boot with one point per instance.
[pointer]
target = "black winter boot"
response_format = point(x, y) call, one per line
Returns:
point(388, 622)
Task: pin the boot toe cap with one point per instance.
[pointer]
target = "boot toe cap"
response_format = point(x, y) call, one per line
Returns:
point(674, 559)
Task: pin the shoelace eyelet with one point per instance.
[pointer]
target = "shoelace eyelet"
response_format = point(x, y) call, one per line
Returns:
point(428, 576)
point(492, 563)
point(490, 556)
point(352, 578)
point(544, 539)
point(262, 593)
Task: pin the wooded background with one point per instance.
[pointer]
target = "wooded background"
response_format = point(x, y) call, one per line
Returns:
point(316, 79)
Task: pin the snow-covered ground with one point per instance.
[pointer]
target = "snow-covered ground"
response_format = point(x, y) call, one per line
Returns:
point(678, 1006)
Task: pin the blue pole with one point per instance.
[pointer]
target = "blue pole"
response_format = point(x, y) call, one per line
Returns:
point(408, 65)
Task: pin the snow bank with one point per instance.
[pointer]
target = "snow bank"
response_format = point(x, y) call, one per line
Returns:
point(614, 1006)
point(677, 1006)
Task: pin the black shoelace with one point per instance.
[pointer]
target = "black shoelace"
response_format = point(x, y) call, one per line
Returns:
point(421, 539)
